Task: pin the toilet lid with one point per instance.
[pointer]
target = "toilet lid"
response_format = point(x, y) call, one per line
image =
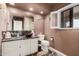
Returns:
point(45, 42)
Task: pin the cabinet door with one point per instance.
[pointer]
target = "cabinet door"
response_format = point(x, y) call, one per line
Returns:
point(25, 47)
point(34, 45)
point(10, 48)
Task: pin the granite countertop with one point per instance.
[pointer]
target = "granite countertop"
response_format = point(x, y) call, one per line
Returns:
point(17, 38)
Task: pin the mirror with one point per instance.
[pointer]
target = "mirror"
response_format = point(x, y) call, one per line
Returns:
point(17, 23)
point(28, 23)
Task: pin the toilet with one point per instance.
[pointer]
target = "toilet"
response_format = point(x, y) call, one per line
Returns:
point(44, 43)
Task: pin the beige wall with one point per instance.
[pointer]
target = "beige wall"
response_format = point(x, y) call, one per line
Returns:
point(69, 41)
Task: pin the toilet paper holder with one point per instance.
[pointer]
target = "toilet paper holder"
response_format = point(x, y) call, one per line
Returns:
point(52, 40)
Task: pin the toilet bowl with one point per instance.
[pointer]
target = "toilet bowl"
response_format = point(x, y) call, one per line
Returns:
point(45, 45)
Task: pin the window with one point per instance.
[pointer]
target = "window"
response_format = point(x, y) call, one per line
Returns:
point(76, 23)
point(67, 20)
point(53, 19)
point(76, 17)
point(70, 18)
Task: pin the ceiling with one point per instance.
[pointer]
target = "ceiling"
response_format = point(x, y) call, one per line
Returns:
point(45, 7)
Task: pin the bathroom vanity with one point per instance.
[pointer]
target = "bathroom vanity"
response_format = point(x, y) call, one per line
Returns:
point(19, 47)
